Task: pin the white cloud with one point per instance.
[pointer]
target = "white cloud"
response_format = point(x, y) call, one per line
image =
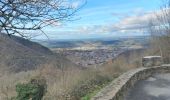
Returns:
point(139, 22)
point(135, 24)
point(130, 24)
point(77, 3)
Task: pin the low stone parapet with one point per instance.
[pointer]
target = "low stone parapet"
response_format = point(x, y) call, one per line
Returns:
point(118, 89)
point(150, 61)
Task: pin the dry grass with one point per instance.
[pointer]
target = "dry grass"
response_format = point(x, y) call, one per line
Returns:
point(71, 83)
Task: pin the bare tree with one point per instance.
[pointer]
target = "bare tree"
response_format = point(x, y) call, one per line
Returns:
point(160, 31)
point(21, 16)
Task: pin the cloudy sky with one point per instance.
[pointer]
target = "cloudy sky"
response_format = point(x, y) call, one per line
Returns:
point(106, 18)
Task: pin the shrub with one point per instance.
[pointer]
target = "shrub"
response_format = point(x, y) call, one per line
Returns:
point(89, 86)
point(33, 90)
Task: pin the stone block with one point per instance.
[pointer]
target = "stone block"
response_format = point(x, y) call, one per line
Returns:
point(150, 61)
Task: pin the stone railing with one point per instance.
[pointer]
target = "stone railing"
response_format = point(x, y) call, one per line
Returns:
point(118, 89)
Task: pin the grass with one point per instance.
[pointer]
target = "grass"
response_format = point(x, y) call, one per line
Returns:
point(89, 95)
point(71, 83)
point(94, 92)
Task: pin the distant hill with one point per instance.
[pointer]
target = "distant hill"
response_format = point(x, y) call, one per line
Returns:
point(19, 54)
point(95, 42)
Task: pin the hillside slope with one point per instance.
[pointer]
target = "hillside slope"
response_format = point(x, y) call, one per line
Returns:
point(18, 54)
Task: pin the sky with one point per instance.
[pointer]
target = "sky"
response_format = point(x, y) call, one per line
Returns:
point(106, 18)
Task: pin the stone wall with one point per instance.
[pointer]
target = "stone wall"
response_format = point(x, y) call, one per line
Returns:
point(117, 90)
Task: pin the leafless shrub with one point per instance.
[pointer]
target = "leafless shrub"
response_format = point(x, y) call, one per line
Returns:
point(160, 32)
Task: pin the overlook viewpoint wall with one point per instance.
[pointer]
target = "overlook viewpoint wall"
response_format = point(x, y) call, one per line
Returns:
point(118, 89)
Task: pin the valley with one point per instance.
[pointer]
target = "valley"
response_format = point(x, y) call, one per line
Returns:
point(73, 49)
point(90, 53)
point(75, 70)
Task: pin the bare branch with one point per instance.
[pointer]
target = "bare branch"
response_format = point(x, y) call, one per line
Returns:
point(19, 15)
